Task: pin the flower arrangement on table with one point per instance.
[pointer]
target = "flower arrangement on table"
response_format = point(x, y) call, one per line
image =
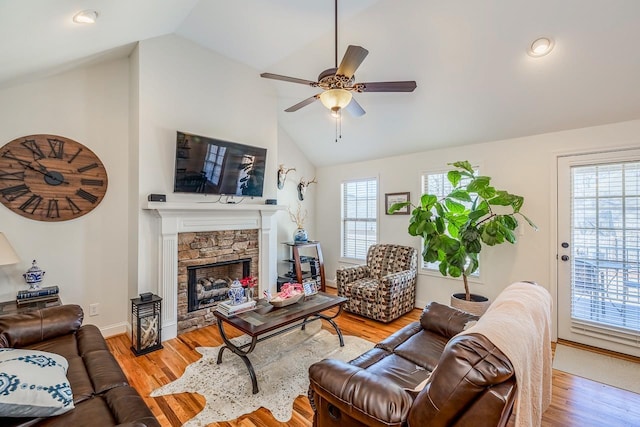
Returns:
point(249, 281)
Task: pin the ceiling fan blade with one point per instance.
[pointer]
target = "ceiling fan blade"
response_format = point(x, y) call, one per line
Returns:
point(351, 60)
point(301, 104)
point(289, 79)
point(407, 86)
point(354, 108)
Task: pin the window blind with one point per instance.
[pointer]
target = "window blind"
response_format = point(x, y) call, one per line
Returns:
point(605, 241)
point(359, 217)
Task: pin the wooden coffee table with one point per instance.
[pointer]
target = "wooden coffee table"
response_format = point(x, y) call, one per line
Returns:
point(267, 321)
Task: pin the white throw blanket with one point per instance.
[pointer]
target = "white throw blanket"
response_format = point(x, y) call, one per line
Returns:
point(518, 322)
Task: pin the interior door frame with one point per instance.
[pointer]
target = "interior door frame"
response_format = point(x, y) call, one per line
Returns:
point(554, 241)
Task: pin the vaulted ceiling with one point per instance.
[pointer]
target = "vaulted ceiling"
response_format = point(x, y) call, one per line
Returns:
point(475, 80)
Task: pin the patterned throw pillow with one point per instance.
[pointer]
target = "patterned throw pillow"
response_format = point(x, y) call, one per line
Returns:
point(33, 384)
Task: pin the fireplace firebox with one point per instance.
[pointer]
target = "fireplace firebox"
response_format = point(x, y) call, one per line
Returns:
point(208, 284)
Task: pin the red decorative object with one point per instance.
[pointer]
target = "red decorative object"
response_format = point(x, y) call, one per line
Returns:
point(290, 289)
point(249, 281)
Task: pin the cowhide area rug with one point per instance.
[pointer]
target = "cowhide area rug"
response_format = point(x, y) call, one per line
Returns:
point(281, 364)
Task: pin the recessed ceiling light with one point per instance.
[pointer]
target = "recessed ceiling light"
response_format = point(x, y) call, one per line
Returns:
point(85, 17)
point(541, 46)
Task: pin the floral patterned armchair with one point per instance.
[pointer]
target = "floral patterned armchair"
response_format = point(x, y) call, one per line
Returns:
point(385, 288)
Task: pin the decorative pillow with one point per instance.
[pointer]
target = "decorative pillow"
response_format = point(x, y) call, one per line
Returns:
point(33, 384)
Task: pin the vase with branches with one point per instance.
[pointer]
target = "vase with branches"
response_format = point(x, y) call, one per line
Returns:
point(298, 217)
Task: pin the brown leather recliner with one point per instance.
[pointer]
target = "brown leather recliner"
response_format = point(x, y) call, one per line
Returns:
point(469, 382)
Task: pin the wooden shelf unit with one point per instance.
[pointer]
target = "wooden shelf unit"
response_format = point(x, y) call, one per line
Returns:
point(297, 260)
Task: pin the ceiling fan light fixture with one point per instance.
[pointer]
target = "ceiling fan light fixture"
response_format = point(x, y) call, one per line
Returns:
point(335, 98)
point(86, 17)
point(541, 46)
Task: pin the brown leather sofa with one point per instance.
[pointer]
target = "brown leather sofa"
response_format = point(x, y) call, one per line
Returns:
point(101, 394)
point(469, 382)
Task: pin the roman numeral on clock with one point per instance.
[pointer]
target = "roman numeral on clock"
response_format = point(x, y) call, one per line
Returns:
point(12, 193)
point(12, 176)
point(87, 196)
point(31, 204)
point(9, 155)
point(35, 149)
point(93, 182)
point(74, 208)
point(88, 167)
point(74, 156)
point(52, 209)
point(57, 148)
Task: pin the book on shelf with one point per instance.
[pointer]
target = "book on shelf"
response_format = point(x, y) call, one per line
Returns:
point(34, 293)
point(43, 298)
point(229, 309)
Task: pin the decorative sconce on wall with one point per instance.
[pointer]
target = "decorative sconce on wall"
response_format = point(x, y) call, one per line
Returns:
point(303, 185)
point(282, 175)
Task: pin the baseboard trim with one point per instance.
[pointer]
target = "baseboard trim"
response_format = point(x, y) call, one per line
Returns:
point(602, 351)
point(115, 329)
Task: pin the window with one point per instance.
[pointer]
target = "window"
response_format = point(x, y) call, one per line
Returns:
point(359, 217)
point(605, 235)
point(436, 183)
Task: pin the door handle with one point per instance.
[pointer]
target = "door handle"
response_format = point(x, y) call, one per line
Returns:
point(565, 257)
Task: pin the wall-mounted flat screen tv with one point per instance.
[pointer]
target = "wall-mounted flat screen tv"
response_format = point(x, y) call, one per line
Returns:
point(213, 166)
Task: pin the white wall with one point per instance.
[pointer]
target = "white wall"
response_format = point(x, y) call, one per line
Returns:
point(290, 155)
point(182, 86)
point(524, 166)
point(86, 257)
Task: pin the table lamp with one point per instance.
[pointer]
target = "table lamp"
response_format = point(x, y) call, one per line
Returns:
point(7, 254)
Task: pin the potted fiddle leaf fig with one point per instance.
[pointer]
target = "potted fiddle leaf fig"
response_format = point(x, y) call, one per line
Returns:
point(455, 227)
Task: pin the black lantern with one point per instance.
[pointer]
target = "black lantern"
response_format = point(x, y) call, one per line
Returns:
point(146, 318)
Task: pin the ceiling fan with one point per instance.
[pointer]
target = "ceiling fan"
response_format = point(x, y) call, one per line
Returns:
point(338, 83)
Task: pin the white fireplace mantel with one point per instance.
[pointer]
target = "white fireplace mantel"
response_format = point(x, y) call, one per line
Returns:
point(185, 217)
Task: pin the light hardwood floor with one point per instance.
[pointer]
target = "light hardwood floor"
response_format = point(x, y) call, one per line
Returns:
point(576, 401)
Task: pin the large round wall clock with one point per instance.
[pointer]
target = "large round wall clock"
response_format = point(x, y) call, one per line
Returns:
point(50, 178)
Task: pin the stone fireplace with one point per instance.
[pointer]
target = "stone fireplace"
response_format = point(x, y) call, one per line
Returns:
point(180, 222)
point(207, 263)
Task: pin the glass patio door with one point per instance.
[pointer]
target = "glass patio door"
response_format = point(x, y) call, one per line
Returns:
point(599, 250)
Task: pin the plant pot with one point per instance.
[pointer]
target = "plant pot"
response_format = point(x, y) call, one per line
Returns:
point(478, 304)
